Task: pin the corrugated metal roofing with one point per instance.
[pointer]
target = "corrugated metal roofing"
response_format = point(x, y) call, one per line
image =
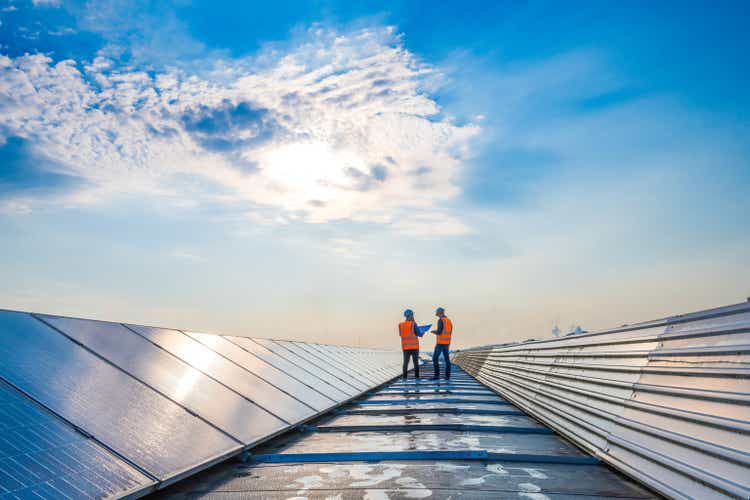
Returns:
point(100, 409)
point(416, 440)
point(666, 401)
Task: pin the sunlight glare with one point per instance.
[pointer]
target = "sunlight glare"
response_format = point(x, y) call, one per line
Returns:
point(310, 171)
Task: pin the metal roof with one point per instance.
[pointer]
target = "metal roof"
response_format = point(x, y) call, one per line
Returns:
point(102, 409)
point(434, 439)
point(665, 401)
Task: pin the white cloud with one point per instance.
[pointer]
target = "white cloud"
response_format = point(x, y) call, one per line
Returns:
point(46, 3)
point(335, 126)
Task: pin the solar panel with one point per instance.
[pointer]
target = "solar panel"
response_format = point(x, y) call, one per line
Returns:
point(337, 359)
point(92, 408)
point(274, 376)
point(167, 374)
point(324, 364)
point(360, 361)
point(329, 361)
point(384, 366)
point(308, 367)
point(341, 361)
point(43, 456)
point(294, 371)
point(227, 372)
point(155, 433)
point(359, 358)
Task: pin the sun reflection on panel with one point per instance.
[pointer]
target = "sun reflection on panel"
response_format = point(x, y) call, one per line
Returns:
point(186, 383)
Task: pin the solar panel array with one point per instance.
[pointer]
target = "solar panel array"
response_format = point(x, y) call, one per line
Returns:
point(101, 409)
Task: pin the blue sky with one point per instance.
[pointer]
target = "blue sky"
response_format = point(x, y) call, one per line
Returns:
point(309, 169)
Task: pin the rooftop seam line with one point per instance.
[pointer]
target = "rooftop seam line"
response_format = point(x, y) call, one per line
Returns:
point(376, 456)
point(431, 401)
point(509, 429)
point(448, 410)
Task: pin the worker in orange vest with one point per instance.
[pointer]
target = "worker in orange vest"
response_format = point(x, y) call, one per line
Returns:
point(442, 344)
point(407, 330)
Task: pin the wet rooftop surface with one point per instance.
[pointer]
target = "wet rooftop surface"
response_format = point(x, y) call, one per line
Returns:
point(411, 439)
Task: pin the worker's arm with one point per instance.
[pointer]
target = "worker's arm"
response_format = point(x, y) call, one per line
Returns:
point(415, 328)
point(439, 327)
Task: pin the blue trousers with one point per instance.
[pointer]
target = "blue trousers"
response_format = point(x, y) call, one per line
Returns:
point(441, 349)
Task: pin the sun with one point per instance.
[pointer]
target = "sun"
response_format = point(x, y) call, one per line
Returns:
point(310, 172)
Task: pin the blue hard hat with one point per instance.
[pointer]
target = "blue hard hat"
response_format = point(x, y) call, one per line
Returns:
point(408, 313)
point(440, 310)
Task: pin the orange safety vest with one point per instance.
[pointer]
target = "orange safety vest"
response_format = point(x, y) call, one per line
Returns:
point(445, 337)
point(409, 339)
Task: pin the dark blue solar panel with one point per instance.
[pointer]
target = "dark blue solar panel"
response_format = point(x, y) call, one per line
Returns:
point(290, 368)
point(334, 360)
point(136, 403)
point(124, 414)
point(305, 364)
point(326, 364)
point(166, 373)
point(42, 456)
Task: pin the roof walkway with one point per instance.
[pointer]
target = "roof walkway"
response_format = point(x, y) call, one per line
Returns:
point(416, 439)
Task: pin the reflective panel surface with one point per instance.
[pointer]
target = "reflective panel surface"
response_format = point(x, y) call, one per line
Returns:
point(273, 375)
point(42, 455)
point(340, 360)
point(378, 371)
point(228, 373)
point(327, 363)
point(308, 366)
point(152, 431)
point(172, 377)
point(304, 377)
